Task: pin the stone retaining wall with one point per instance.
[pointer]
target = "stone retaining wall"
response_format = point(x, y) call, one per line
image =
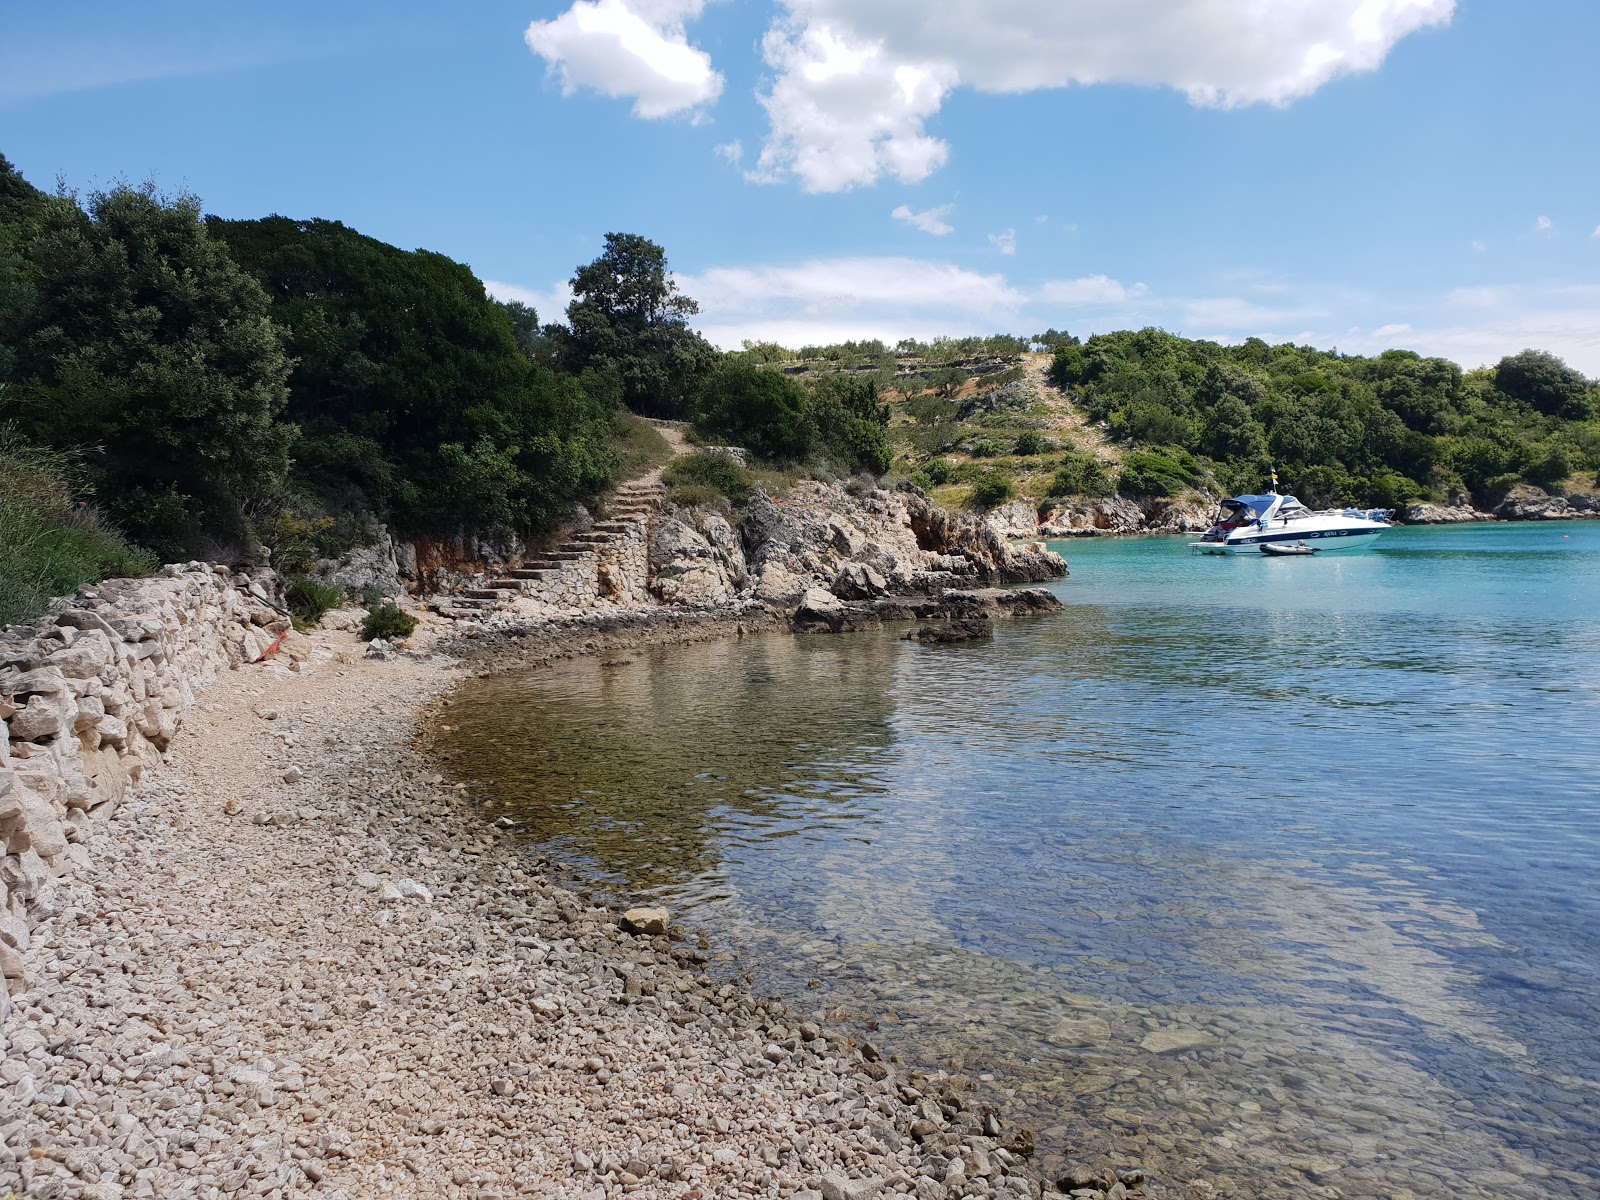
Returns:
point(89, 694)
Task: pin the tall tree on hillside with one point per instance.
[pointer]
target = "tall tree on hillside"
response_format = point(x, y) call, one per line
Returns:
point(1540, 379)
point(413, 398)
point(144, 342)
point(628, 314)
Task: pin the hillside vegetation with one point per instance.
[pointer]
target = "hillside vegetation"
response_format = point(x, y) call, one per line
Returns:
point(1148, 413)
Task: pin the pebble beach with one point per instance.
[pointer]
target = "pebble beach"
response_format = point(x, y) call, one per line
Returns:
point(298, 961)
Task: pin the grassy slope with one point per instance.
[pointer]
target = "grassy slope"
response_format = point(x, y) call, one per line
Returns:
point(50, 543)
point(924, 426)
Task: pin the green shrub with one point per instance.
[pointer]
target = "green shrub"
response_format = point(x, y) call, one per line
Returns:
point(930, 409)
point(1158, 473)
point(992, 490)
point(1552, 466)
point(937, 471)
point(758, 408)
point(388, 621)
point(708, 470)
point(1081, 475)
point(984, 448)
point(1030, 443)
point(308, 599)
point(50, 542)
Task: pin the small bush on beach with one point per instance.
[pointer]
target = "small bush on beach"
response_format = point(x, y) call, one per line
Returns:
point(308, 599)
point(388, 621)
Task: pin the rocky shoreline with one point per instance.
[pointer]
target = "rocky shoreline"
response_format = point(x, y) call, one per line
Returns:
point(297, 962)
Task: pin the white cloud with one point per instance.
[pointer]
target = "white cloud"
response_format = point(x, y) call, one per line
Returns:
point(1543, 225)
point(856, 80)
point(1479, 248)
point(634, 48)
point(1391, 331)
point(1475, 297)
point(1005, 242)
point(929, 221)
point(732, 151)
point(1092, 289)
point(827, 300)
point(550, 304)
point(1232, 316)
point(1564, 320)
point(847, 112)
point(1596, 233)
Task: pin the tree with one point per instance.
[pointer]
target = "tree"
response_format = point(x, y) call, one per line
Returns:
point(627, 313)
point(415, 400)
point(1540, 379)
point(758, 408)
point(852, 427)
point(525, 329)
point(144, 342)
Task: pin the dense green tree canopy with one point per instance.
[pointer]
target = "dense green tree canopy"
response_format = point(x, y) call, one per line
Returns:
point(133, 333)
point(1381, 430)
point(628, 315)
point(1545, 383)
point(835, 419)
point(411, 392)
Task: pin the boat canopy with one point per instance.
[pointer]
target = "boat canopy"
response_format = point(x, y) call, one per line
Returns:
point(1256, 504)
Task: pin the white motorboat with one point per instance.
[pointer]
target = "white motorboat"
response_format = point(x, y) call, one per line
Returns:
point(1247, 524)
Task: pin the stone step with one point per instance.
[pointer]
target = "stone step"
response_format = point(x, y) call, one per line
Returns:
point(535, 572)
point(615, 526)
point(566, 556)
point(490, 593)
point(592, 539)
point(469, 602)
point(512, 587)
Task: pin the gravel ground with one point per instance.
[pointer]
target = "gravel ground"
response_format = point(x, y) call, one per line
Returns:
point(298, 963)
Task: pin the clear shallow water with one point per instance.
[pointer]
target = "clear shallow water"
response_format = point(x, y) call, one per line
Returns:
point(1332, 824)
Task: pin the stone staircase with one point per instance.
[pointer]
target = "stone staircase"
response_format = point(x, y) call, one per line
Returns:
point(607, 564)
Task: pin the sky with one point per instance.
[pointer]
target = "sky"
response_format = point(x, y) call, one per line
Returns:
point(1350, 174)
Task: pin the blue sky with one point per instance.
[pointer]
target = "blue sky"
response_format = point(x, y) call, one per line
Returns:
point(1350, 173)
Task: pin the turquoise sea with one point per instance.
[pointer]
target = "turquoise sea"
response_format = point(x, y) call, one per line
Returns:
point(1279, 875)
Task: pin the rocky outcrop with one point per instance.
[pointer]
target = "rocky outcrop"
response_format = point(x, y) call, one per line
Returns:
point(696, 560)
point(973, 629)
point(820, 611)
point(1441, 514)
point(1530, 504)
point(1117, 515)
point(375, 566)
point(818, 544)
point(89, 694)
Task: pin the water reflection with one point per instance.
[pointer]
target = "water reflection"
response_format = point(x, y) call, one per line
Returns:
point(648, 772)
point(1309, 873)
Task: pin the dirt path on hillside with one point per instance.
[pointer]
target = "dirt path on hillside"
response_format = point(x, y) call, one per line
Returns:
point(1066, 420)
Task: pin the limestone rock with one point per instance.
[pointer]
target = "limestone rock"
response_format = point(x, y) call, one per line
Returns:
point(840, 1187)
point(372, 566)
point(972, 629)
point(1089, 1031)
point(1175, 1040)
point(1530, 504)
point(645, 920)
point(859, 581)
point(1442, 514)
